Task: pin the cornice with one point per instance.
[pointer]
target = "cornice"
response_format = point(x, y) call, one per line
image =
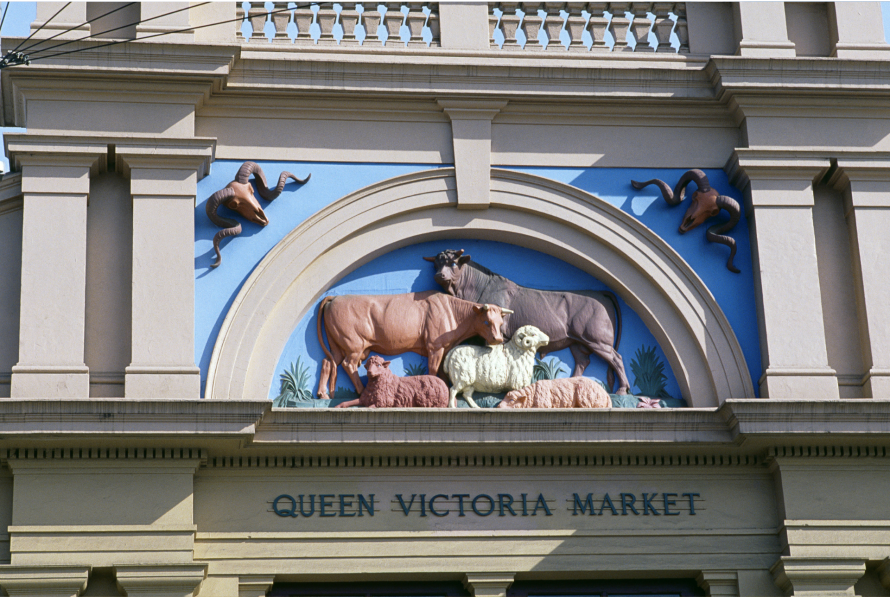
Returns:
point(130, 150)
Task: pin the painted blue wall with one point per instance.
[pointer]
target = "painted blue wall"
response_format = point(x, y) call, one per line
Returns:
point(215, 289)
point(404, 270)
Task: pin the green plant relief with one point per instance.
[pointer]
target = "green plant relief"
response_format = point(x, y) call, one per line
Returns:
point(648, 372)
point(546, 370)
point(294, 385)
point(415, 369)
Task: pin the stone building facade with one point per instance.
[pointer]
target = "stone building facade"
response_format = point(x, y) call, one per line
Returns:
point(141, 452)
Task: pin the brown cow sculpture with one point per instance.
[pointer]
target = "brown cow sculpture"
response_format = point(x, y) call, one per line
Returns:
point(238, 196)
point(581, 322)
point(706, 203)
point(428, 323)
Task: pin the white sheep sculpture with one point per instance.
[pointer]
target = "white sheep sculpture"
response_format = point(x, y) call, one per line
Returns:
point(500, 368)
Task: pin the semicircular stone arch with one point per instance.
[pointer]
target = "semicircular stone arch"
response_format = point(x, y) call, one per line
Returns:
point(538, 213)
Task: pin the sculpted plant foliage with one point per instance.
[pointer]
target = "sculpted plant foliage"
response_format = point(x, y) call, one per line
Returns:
point(648, 373)
point(546, 370)
point(294, 385)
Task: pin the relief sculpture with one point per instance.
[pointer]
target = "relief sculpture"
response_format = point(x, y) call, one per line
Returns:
point(585, 323)
point(428, 323)
point(386, 390)
point(238, 196)
point(706, 203)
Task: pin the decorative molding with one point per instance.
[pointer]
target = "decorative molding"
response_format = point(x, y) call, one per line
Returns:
point(483, 461)
point(817, 576)
point(161, 580)
point(255, 585)
point(719, 583)
point(44, 581)
point(488, 584)
point(74, 454)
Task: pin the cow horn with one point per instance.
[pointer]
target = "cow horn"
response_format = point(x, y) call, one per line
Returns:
point(248, 168)
point(229, 226)
point(715, 232)
point(433, 259)
point(459, 253)
point(506, 311)
point(676, 196)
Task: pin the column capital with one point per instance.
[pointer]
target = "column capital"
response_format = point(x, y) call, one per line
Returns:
point(747, 164)
point(161, 580)
point(475, 109)
point(817, 576)
point(255, 585)
point(488, 584)
point(44, 581)
point(724, 583)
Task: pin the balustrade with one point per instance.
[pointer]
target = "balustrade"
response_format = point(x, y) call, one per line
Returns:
point(392, 24)
point(658, 27)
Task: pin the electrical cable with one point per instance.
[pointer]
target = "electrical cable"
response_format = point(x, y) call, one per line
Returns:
point(42, 25)
point(69, 29)
point(4, 16)
point(110, 30)
point(123, 41)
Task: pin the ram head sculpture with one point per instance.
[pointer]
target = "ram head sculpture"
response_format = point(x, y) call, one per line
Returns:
point(705, 204)
point(239, 197)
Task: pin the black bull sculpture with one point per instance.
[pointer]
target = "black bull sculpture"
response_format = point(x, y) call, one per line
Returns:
point(583, 323)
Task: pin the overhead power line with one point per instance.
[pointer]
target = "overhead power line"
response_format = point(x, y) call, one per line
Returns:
point(69, 29)
point(15, 58)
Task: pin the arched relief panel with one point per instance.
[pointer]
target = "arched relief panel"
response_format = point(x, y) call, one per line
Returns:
point(526, 210)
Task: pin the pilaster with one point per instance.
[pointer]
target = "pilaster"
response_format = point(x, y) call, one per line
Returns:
point(722, 583)
point(488, 584)
point(856, 30)
point(55, 190)
point(866, 184)
point(44, 581)
point(163, 185)
point(817, 577)
point(779, 198)
point(471, 132)
point(160, 580)
point(762, 31)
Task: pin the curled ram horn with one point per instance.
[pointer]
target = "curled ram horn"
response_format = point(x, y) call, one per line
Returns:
point(705, 204)
point(239, 197)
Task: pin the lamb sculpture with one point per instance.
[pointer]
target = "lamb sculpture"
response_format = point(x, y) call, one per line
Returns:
point(386, 390)
point(571, 392)
point(500, 368)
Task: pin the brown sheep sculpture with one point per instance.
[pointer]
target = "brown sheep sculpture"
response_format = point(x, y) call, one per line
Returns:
point(570, 392)
point(386, 390)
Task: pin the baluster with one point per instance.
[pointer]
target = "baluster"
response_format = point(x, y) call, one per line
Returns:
point(239, 14)
point(620, 25)
point(492, 25)
point(415, 20)
point(349, 21)
point(663, 26)
point(531, 25)
point(598, 24)
point(281, 20)
point(392, 20)
point(327, 18)
point(641, 25)
point(509, 25)
point(433, 24)
point(257, 16)
point(371, 20)
point(682, 29)
point(303, 18)
point(553, 26)
point(575, 25)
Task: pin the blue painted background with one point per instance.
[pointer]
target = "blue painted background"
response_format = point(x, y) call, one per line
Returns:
point(215, 289)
